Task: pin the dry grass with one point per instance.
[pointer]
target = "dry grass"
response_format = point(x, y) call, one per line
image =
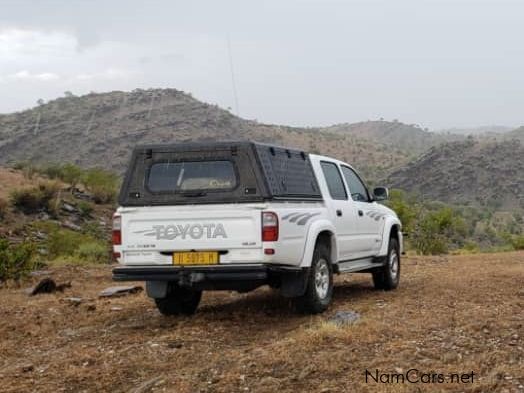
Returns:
point(451, 314)
point(11, 179)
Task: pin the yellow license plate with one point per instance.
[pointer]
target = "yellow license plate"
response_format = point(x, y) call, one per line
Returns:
point(195, 258)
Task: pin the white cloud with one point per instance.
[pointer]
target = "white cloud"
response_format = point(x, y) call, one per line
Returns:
point(107, 74)
point(19, 44)
point(26, 75)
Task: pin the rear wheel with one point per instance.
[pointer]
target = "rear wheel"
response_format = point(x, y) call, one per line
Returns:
point(179, 300)
point(387, 277)
point(319, 291)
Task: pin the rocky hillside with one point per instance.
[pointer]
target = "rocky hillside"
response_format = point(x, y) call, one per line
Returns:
point(516, 134)
point(101, 130)
point(407, 138)
point(477, 172)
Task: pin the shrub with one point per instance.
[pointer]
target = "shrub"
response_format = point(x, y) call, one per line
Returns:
point(64, 242)
point(39, 198)
point(102, 184)
point(15, 260)
point(518, 242)
point(95, 230)
point(85, 209)
point(52, 171)
point(436, 230)
point(71, 174)
point(405, 208)
point(3, 208)
point(95, 251)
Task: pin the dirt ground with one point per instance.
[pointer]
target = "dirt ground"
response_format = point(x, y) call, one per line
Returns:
point(452, 314)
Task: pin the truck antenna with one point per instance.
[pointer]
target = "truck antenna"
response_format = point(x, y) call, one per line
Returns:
point(235, 95)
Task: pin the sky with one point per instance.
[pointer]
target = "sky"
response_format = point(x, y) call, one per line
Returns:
point(439, 63)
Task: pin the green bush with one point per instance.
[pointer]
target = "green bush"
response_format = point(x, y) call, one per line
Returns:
point(15, 260)
point(52, 171)
point(406, 208)
point(102, 184)
point(436, 230)
point(95, 230)
point(85, 209)
point(93, 252)
point(39, 198)
point(64, 242)
point(518, 242)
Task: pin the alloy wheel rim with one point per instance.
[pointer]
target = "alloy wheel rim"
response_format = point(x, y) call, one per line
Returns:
point(393, 264)
point(322, 278)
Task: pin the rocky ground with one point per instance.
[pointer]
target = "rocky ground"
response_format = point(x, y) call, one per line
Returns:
point(456, 314)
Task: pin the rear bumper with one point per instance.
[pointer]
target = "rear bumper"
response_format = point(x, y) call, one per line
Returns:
point(174, 273)
point(291, 280)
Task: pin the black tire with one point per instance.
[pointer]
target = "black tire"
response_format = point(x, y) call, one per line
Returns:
point(317, 298)
point(387, 277)
point(179, 300)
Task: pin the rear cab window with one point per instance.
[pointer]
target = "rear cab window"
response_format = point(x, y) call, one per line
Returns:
point(189, 176)
point(336, 187)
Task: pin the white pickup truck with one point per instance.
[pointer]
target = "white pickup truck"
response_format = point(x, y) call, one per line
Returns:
point(239, 215)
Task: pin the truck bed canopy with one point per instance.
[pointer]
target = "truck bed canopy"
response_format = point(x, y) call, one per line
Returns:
point(217, 172)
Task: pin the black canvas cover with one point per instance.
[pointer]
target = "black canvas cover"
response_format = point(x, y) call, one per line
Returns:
point(216, 172)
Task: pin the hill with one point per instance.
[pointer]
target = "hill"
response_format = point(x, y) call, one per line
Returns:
point(516, 134)
point(480, 131)
point(408, 138)
point(483, 173)
point(101, 129)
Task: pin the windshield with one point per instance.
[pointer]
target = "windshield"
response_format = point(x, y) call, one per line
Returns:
point(191, 176)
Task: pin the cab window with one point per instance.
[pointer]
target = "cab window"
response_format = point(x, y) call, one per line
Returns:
point(357, 189)
point(336, 187)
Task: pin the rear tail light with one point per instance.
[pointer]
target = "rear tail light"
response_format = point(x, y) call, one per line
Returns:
point(269, 227)
point(117, 230)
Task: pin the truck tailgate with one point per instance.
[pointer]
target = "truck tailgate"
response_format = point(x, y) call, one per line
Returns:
point(150, 234)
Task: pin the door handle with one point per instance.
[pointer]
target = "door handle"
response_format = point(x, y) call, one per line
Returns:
point(339, 212)
point(360, 213)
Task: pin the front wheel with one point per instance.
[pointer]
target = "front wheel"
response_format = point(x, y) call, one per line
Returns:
point(387, 277)
point(319, 291)
point(179, 300)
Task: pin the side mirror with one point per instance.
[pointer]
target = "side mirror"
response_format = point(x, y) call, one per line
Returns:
point(380, 193)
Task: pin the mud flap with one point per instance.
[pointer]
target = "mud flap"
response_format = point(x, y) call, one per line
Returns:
point(293, 283)
point(156, 289)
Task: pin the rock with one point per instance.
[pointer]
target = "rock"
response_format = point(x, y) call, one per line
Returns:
point(43, 216)
point(117, 308)
point(38, 273)
point(147, 385)
point(69, 225)
point(344, 318)
point(120, 291)
point(175, 344)
point(48, 285)
point(28, 368)
point(74, 300)
point(68, 208)
point(270, 382)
